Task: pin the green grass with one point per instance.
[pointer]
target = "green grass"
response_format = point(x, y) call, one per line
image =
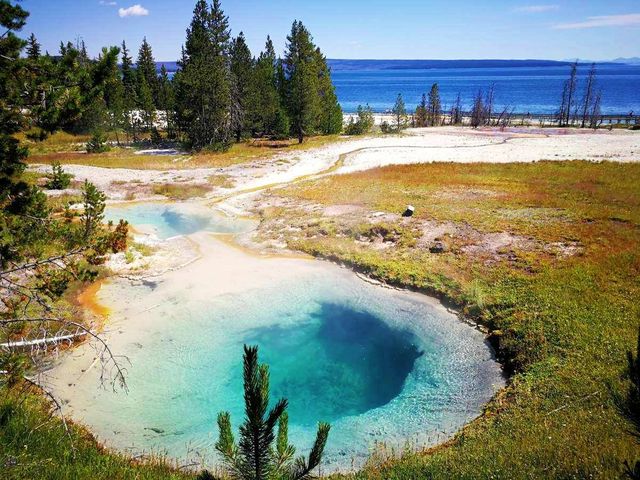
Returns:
point(35, 446)
point(181, 191)
point(562, 324)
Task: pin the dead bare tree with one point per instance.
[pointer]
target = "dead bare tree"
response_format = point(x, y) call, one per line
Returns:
point(477, 111)
point(595, 116)
point(30, 332)
point(568, 96)
point(588, 97)
point(488, 105)
point(455, 117)
point(505, 117)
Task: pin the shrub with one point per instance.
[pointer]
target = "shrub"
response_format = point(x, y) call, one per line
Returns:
point(58, 178)
point(117, 240)
point(364, 122)
point(98, 143)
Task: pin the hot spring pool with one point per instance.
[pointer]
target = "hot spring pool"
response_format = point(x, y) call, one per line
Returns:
point(382, 366)
point(167, 220)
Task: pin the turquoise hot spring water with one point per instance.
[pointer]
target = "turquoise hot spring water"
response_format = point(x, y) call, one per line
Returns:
point(382, 366)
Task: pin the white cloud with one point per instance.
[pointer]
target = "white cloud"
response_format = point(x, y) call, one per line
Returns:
point(107, 3)
point(136, 10)
point(628, 20)
point(536, 8)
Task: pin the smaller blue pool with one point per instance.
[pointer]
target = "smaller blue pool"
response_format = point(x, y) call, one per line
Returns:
point(170, 220)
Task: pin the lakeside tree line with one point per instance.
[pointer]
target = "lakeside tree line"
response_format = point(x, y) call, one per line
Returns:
point(221, 93)
point(580, 105)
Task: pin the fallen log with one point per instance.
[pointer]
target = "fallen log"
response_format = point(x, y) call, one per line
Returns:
point(40, 341)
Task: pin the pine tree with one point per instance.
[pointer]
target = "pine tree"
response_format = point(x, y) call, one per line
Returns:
point(255, 457)
point(301, 80)
point(434, 106)
point(147, 107)
point(400, 113)
point(166, 99)
point(330, 119)
point(241, 67)
point(266, 98)
point(114, 93)
point(130, 96)
point(203, 87)
point(128, 77)
point(93, 209)
point(84, 55)
point(455, 117)
point(421, 112)
point(146, 68)
point(22, 207)
point(33, 48)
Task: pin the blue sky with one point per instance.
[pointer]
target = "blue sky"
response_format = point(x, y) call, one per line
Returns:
point(380, 29)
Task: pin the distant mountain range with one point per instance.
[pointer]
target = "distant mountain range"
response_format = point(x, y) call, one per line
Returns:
point(339, 64)
point(364, 64)
point(628, 61)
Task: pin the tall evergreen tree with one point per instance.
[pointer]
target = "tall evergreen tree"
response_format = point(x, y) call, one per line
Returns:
point(146, 68)
point(400, 113)
point(435, 107)
point(421, 112)
point(455, 117)
point(330, 119)
point(129, 94)
point(128, 76)
point(301, 80)
point(241, 67)
point(145, 102)
point(203, 88)
point(267, 100)
point(166, 99)
point(22, 207)
point(33, 48)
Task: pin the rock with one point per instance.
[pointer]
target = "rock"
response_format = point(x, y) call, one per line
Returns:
point(438, 247)
point(409, 211)
point(155, 430)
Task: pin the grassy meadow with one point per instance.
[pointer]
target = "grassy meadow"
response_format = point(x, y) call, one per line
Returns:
point(68, 149)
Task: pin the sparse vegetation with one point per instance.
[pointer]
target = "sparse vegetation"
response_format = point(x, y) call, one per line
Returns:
point(363, 123)
point(181, 191)
point(58, 179)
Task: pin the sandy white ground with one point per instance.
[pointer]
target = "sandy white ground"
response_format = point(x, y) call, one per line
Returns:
point(445, 144)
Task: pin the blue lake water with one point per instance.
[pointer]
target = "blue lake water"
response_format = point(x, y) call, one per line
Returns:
point(524, 89)
point(167, 220)
point(523, 85)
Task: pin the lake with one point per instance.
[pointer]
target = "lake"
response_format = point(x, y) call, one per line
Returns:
point(533, 86)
